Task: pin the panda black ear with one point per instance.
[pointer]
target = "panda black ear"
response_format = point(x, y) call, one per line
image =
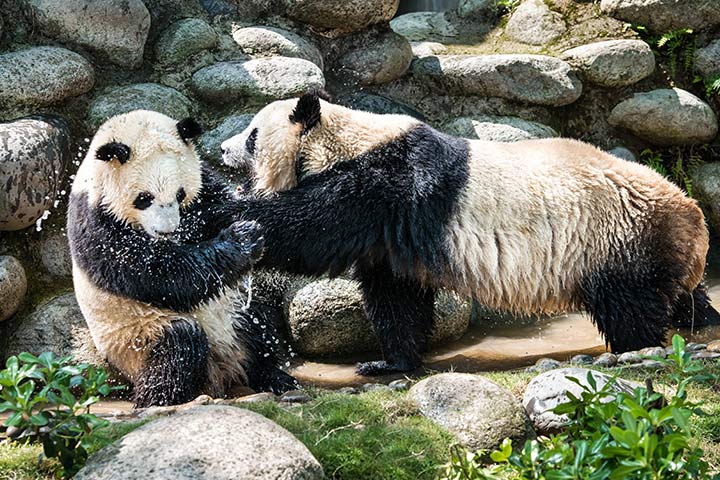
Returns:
point(113, 150)
point(188, 129)
point(307, 111)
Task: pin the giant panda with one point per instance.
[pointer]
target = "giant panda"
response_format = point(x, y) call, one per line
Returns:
point(159, 267)
point(537, 226)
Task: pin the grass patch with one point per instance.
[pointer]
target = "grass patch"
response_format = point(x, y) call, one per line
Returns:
point(24, 462)
point(374, 435)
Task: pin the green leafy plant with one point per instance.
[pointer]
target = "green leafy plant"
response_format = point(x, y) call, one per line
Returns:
point(611, 435)
point(676, 163)
point(48, 399)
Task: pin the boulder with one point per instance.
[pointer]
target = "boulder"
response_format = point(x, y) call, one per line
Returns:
point(184, 39)
point(497, 128)
point(478, 412)
point(208, 145)
point(261, 79)
point(662, 16)
point(56, 326)
point(666, 117)
point(326, 317)
point(13, 286)
point(40, 76)
point(612, 63)
point(707, 59)
point(474, 9)
point(533, 79)
point(34, 152)
point(370, 102)
point(263, 41)
point(534, 23)
point(624, 153)
point(549, 389)
point(117, 29)
point(206, 442)
point(427, 49)
point(423, 25)
point(372, 57)
point(148, 96)
point(347, 16)
point(55, 254)
point(706, 189)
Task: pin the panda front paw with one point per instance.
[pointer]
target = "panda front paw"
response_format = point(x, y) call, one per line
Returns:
point(372, 369)
point(249, 235)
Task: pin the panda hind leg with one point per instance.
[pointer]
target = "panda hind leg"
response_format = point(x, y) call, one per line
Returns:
point(631, 308)
point(176, 368)
point(401, 312)
point(694, 310)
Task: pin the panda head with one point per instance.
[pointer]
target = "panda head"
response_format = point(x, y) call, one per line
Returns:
point(142, 167)
point(290, 138)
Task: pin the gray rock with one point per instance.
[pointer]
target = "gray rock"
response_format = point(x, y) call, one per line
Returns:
point(662, 16)
point(326, 317)
point(347, 16)
point(115, 28)
point(534, 79)
point(695, 347)
point(707, 59)
point(184, 39)
point(427, 49)
point(606, 360)
point(13, 286)
point(483, 9)
point(40, 76)
point(423, 25)
point(706, 189)
point(148, 96)
point(612, 63)
point(402, 384)
point(544, 365)
point(624, 153)
point(534, 23)
point(497, 128)
point(548, 390)
point(480, 413)
point(666, 117)
point(704, 355)
point(349, 391)
point(581, 360)
point(208, 144)
point(375, 387)
point(211, 442)
point(377, 104)
point(261, 79)
point(653, 352)
point(262, 41)
point(55, 254)
point(629, 358)
point(34, 153)
point(56, 326)
point(372, 57)
point(295, 396)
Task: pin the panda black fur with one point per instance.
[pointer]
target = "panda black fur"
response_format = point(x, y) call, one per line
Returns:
point(169, 313)
point(534, 226)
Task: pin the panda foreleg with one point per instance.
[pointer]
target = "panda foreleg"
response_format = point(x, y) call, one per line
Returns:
point(176, 367)
point(401, 312)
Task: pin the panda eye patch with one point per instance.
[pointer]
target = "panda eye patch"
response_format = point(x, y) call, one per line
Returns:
point(143, 200)
point(250, 142)
point(180, 195)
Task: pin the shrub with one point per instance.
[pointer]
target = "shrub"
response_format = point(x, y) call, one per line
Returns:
point(48, 400)
point(638, 435)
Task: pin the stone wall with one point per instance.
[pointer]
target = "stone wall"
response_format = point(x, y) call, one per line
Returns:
point(545, 68)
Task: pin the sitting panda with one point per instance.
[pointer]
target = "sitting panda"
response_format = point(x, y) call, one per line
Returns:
point(537, 226)
point(159, 267)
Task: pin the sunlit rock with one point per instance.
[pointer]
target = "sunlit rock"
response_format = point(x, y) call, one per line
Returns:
point(13, 286)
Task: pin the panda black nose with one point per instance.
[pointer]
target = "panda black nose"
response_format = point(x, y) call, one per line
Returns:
point(223, 150)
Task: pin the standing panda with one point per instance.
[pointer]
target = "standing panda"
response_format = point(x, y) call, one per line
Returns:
point(158, 267)
point(537, 226)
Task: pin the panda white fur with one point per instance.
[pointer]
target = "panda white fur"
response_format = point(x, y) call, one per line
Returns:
point(159, 266)
point(534, 226)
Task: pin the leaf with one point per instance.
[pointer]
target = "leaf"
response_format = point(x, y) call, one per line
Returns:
point(39, 419)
